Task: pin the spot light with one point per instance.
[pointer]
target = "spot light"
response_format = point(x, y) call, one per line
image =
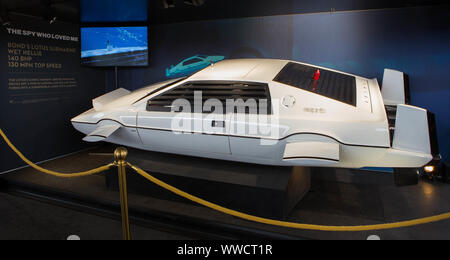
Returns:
point(429, 169)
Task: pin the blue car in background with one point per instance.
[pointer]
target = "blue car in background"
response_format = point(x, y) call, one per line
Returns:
point(192, 64)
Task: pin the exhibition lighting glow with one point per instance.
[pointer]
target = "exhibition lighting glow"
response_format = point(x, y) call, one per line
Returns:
point(429, 169)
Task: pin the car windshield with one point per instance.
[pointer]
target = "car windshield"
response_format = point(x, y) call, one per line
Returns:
point(192, 61)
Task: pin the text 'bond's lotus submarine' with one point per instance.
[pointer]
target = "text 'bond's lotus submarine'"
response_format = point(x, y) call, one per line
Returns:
point(271, 112)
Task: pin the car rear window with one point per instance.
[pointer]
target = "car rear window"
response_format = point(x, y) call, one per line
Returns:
point(331, 84)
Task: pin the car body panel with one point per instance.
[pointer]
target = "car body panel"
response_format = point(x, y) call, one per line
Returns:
point(307, 129)
point(156, 130)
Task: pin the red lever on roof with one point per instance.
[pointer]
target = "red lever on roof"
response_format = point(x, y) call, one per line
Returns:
point(317, 75)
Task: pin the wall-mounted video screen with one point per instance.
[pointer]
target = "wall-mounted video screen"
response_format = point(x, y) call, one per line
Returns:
point(113, 11)
point(114, 46)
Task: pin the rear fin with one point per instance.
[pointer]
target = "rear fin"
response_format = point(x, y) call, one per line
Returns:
point(412, 131)
point(100, 102)
point(101, 133)
point(395, 88)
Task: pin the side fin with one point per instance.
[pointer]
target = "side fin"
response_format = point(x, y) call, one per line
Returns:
point(101, 133)
point(412, 130)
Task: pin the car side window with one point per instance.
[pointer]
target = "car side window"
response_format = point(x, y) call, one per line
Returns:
point(230, 97)
point(192, 61)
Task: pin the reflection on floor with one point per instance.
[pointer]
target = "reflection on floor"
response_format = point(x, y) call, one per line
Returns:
point(25, 219)
point(338, 197)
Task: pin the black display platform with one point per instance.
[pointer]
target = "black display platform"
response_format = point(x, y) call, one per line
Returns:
point(265, 191)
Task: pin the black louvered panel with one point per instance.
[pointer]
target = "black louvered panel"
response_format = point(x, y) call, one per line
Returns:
point(218, 92)
point(331, 84)
point(206, 97)
point(213, 90)
point(391, 112)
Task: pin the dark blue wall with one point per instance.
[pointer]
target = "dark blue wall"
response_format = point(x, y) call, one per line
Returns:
point(413, 40)
point(256, 8)
point(38, 120)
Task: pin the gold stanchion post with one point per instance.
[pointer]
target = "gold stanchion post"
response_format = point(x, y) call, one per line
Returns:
point(120, 155)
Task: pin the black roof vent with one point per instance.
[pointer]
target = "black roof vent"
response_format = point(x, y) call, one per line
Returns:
point(338, 86)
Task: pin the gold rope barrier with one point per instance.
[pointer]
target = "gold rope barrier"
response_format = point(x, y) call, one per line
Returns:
point(120, 161)
point(120, 155)
point(53, 173)
point(238, 214)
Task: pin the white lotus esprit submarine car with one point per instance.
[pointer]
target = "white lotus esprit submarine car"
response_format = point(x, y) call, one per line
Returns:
point(314, 117)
